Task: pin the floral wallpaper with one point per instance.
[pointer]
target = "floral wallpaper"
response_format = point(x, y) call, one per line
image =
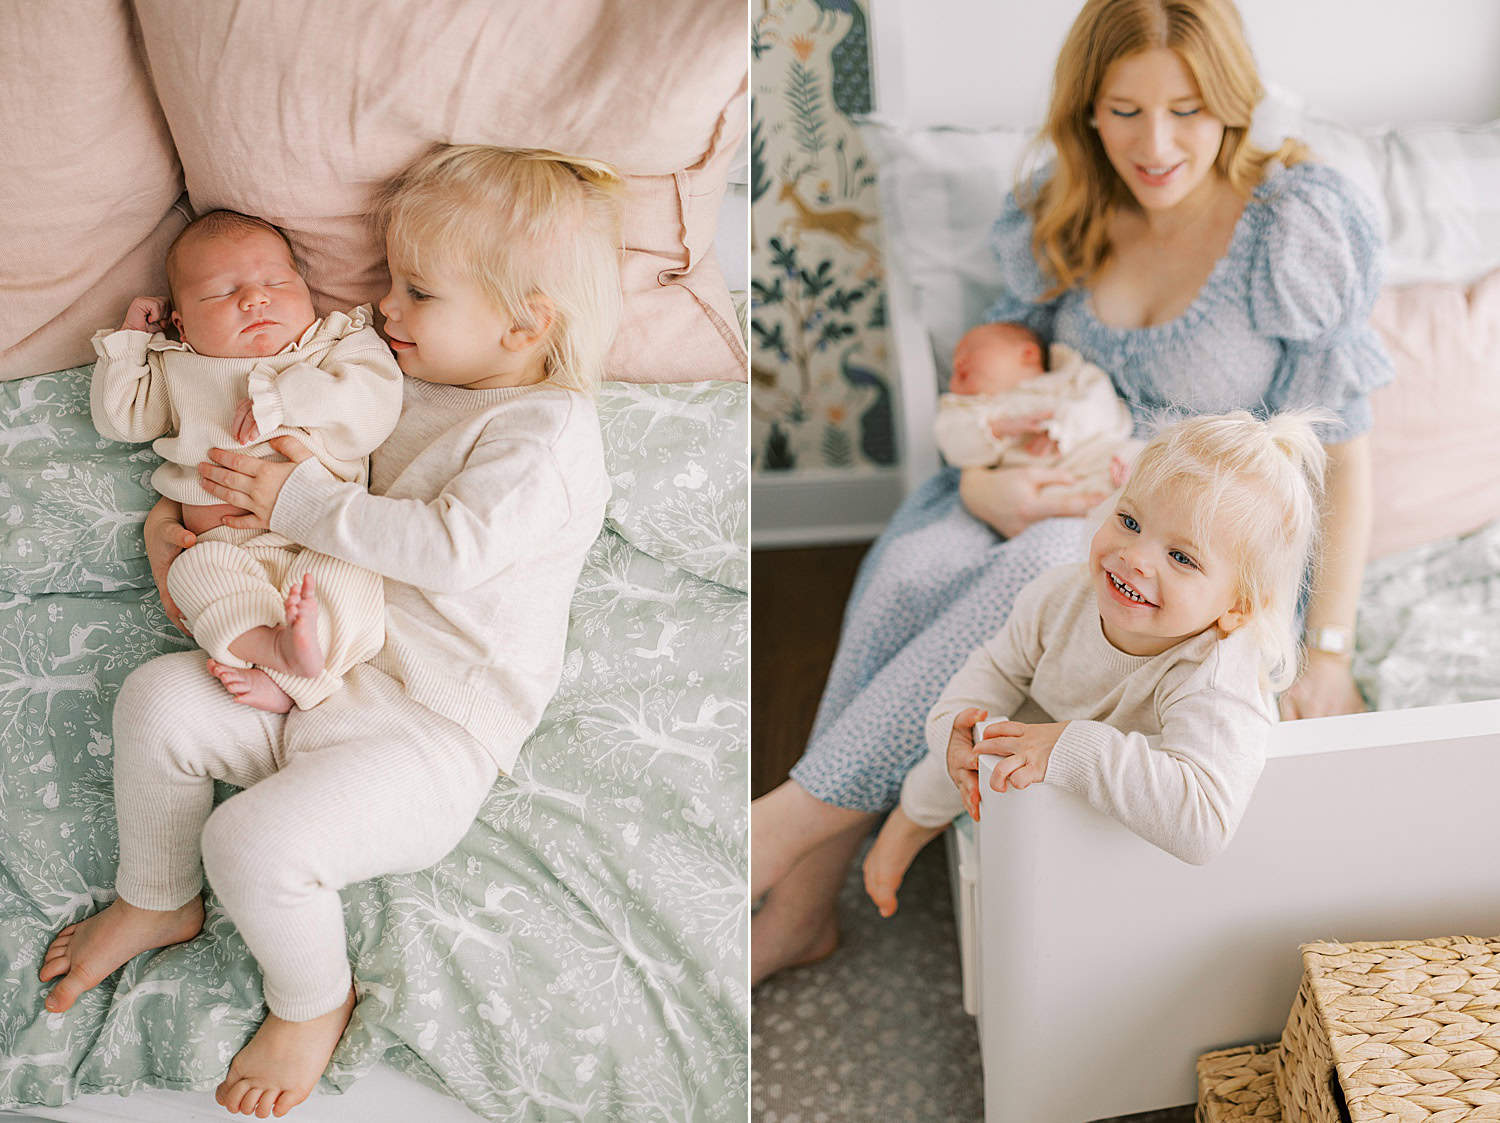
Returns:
point(820, 397)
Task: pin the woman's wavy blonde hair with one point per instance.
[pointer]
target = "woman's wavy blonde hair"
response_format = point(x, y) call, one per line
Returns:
point(521, 223)
point(1255, 489)
point(1071, 209)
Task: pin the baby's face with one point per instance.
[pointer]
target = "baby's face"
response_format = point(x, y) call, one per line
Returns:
point(988, 361)
point(239, 295)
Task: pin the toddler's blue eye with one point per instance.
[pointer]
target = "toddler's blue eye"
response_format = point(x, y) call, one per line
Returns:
point(417, 294)
point(1129, 523)
point(1182, 559)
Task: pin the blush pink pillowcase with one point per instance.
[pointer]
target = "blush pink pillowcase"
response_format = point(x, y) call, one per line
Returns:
point(89, 180)
point(1436, 472)
point(296, 112)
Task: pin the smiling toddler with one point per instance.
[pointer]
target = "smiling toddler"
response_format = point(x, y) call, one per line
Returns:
point(1140, 680)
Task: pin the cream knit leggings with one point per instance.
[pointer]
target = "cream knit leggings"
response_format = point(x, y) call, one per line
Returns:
point(368, 783)
point(234, 580)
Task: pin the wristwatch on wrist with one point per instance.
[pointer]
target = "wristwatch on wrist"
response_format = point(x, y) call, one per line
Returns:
point(1331, 640)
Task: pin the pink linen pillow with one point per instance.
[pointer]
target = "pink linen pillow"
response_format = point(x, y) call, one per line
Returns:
point(1436, 471)
point(297, 111)
point(89, 182)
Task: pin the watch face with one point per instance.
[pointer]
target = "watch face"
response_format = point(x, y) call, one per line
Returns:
point(1335, 641)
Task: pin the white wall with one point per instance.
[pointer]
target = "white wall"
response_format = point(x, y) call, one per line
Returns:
point(1360, 62)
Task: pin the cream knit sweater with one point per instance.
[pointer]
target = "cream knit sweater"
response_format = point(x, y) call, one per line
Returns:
point(1171, 745)
point(337, 389)
point(481, 508)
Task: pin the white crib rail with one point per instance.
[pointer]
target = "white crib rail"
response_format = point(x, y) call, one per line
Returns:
point(1107, 966)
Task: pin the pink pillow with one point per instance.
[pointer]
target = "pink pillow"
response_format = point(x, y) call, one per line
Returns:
point(297, 111)
point(1435, 468)
point(89, 182)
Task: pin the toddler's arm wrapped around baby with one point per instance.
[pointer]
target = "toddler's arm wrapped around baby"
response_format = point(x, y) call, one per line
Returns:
point(508, 495)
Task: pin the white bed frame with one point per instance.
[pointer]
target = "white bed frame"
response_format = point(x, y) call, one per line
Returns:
point(1099, 966)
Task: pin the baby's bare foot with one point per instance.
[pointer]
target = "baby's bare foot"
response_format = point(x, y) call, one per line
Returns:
point(251, 686)
point(279, 1067)
point(895, 848)
point(297, 642)
point(88, 952)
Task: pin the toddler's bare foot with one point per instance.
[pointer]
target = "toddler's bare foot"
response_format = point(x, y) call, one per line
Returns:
point(279, 1067)
point(88, 952)
point(297, 642)
point(895, 848)
point(251, 686)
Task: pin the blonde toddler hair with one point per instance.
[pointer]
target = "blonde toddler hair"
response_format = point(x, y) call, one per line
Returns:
point(521, 223)
point(1260, 483)
point(1071, 210)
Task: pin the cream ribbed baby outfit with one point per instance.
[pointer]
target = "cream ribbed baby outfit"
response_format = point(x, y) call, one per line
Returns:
point(338, 390)
point(1171, 745)
point(1089, 422)
point(491, 500)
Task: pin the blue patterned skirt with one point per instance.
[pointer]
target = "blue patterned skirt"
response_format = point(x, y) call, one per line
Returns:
point(935, 585)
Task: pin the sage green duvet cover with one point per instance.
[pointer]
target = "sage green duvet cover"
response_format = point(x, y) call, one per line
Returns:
point(580, 955)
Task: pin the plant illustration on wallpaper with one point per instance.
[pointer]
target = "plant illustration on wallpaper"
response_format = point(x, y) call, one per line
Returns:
point(821, 396)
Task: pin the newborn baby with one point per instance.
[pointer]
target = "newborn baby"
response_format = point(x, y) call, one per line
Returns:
point(254, 363)
point(1008, 406)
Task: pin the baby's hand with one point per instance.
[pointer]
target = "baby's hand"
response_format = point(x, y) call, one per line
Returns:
point(1005, 427)
point(146, 313)
point(1040, 445)
point(243, 427)
point(1119, 470)
point(1024, 752)
point(963, 760)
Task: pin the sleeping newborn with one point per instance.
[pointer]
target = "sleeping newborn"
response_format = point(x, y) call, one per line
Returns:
point(1008, 406)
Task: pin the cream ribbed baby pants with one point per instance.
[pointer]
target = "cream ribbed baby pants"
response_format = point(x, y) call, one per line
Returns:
point(927, 794)
point(368, 783)
point(234, 580)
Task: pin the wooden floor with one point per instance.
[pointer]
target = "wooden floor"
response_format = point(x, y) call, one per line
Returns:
point(796, 607)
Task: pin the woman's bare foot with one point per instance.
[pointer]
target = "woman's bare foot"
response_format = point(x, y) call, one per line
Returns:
point(279, 1067)
point(251, 686)
point(895, 848)
point(772, 951)
point(88, 952)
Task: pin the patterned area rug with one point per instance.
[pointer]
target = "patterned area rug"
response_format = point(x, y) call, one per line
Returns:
point(851, 1038)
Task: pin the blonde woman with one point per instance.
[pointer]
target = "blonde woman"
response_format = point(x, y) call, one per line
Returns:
point(1205, 275)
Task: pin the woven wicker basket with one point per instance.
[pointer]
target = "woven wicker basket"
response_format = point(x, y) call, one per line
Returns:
point(1405, 1032)
point(1235, 1085)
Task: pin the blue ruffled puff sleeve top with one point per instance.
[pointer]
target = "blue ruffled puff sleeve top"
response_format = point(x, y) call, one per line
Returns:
point(1282, 321)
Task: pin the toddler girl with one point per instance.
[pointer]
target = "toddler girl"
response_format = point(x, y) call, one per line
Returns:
point(482, 505)
point(253, 363)
point(1013, 403)
point(1157, 655)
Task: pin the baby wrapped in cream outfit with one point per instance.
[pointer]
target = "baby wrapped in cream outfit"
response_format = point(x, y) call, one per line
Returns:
point(253, 363)
point(1002, 375)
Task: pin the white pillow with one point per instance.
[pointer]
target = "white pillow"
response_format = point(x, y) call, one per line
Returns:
point(1435, 187)
point(940, 191)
